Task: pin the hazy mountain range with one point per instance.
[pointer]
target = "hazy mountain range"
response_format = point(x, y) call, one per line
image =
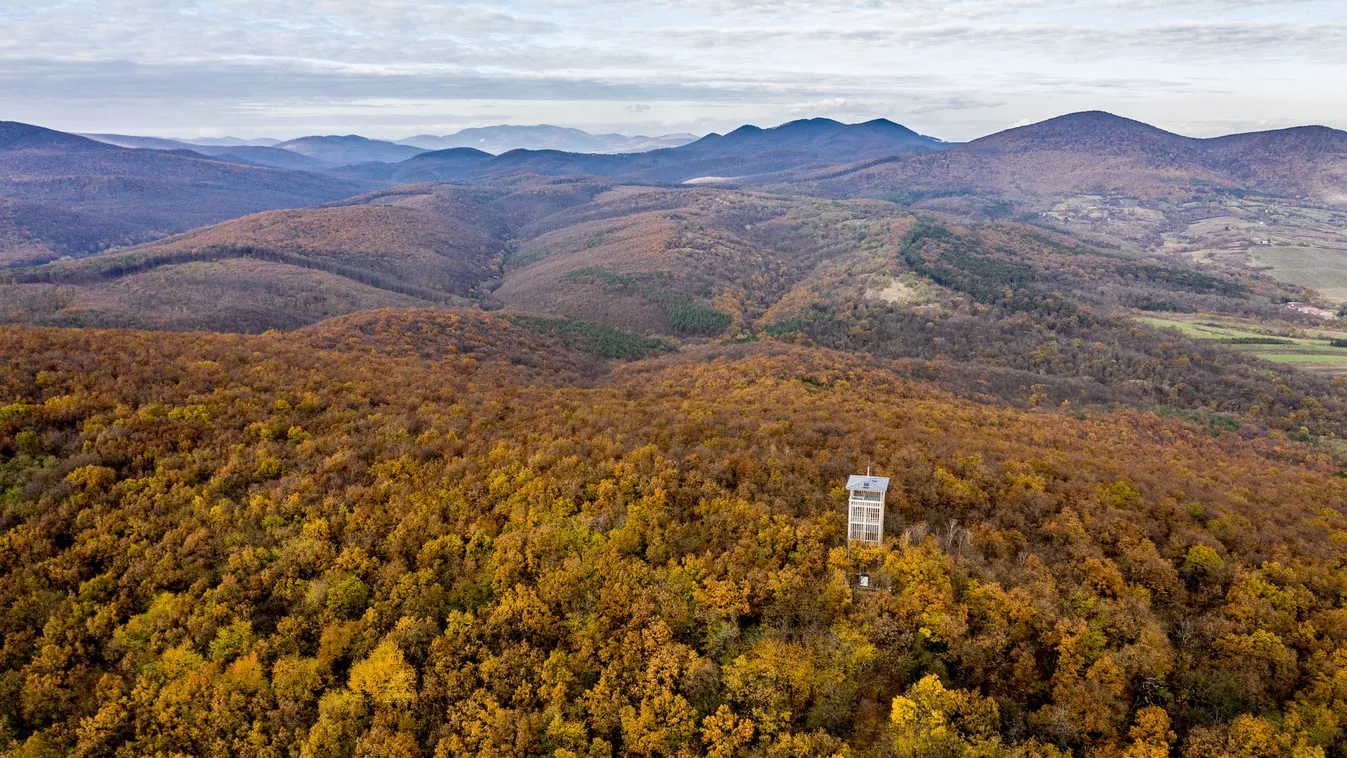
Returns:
point(345, 150)
point(502, 139)
point(304, 153)
point(63, 194)
point(746, 151)
point(150, 187)
point(342, 150)
point(229, 149)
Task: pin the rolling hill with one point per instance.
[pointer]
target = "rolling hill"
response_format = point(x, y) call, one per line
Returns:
point(1272, 202)
point(1004, 310)
point(662, 260)
point(451, 164)
point(64, 195)
point(239, 293)
point(410, 245)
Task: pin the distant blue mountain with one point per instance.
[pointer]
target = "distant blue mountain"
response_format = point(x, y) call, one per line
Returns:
point(345, 150)
point(748, 150)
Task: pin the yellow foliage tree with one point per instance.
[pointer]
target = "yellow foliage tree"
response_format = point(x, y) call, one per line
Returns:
point(931, 721)
point(725, 735)
point(1150, 734)
point(384, 677)
point(1251, 737)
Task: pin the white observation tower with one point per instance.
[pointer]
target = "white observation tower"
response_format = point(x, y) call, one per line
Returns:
point(866, 507)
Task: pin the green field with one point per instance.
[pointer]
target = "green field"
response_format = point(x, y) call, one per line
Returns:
point(1307, 357)
point(1321, 269)
point(1309, 349)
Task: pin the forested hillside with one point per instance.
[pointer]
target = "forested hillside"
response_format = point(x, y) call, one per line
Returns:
point(1001, 310)
point(1004, 310)
point(400, 536)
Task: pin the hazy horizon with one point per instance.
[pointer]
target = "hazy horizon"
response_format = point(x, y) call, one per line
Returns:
point(954, 69)
point(217, 134)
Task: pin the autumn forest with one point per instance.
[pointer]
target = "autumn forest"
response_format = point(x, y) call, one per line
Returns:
point(320, 544)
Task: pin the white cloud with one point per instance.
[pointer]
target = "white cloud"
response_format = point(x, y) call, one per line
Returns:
point(947, 67)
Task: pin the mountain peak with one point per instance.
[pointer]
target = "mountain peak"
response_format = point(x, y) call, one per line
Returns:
point(348, 139)
point(883, 124)
point(1095, 121)
point(1096, 132)
point(349, 149)
point(810, 123)
point(875, 137)
point(1302, 140)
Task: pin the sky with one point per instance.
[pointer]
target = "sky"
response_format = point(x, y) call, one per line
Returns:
point(954, 69)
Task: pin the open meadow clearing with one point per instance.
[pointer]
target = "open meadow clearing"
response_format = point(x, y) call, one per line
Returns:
point(1309, 349)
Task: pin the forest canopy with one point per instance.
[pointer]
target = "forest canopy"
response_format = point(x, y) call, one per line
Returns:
point(451, 534)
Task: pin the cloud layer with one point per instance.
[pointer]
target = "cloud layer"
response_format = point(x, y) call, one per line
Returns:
point(953, 68)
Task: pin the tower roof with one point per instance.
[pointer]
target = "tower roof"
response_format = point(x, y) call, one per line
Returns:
point(868, 483)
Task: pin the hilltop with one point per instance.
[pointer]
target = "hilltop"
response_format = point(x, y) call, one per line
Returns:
point(1094, 132)
point(828, 138)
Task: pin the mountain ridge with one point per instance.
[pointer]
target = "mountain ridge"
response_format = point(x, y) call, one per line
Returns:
point(746, 150)
point(1095, 151)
